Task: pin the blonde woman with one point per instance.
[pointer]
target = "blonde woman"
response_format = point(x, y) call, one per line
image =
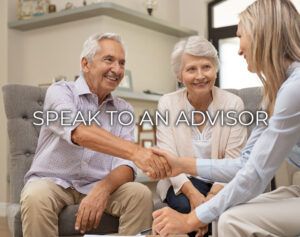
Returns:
point(195, 63)
point(269, 32)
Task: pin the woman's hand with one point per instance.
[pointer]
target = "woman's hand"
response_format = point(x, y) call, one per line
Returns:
point(202, 231)
point(172, 160)
point(214, 191)
point(178, 164)
point(195, 197)
point(168, 221)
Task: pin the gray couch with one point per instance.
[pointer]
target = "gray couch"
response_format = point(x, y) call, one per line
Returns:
point(20, 103)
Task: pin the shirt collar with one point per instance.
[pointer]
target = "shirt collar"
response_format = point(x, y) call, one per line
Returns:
point(83, 89)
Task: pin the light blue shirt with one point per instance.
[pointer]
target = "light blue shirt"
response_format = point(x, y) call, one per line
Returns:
point(266, 149)
point(65, 163)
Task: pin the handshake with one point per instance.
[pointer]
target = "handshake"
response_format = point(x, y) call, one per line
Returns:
point(159, 164)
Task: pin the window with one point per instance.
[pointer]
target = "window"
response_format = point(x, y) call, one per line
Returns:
point(234, 71)
point(225, 13)
point(222, 26)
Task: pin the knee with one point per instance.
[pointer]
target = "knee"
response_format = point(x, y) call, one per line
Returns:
point(182, 207)
point(179, 203)
point(34, 197)
point(227, 222)
point(140, 193)
point(223, 220)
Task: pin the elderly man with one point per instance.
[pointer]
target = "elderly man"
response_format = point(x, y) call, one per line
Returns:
point(70, 166)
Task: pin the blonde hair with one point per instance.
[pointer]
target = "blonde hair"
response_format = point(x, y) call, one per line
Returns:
point(274, 29)
point(196, 46)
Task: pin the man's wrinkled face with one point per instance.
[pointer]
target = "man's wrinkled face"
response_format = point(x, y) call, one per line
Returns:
point(106, 70)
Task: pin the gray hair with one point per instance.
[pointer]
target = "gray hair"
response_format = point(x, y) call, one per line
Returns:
point(91, 45)
point(196, 46)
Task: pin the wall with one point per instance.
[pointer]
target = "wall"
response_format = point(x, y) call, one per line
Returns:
point(3, 80)
point(193, 14)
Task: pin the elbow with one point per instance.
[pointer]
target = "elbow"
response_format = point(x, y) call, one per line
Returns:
point(78, 135)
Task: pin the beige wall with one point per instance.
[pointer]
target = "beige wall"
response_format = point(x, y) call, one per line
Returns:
point(193, 14)
point(36, 56)
point(3, 80)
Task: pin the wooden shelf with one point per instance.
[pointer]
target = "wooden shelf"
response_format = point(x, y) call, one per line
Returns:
point(97, 9)
point(136, 96)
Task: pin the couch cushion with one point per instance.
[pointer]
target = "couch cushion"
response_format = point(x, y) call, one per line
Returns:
point(252, 98)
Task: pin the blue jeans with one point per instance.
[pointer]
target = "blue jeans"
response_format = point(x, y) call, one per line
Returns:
point(180, 202)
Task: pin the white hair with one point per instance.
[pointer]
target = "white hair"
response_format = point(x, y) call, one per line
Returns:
point(91, 45)
point(196, 46)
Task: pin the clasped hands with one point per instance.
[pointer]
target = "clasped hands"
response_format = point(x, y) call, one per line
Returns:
point(156, 163)
point(159, 164)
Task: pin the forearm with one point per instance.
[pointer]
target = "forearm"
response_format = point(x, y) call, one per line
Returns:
point(188, 165)
point(216, 188)
point(188, 189)
point(100, 140)
point(115, 179)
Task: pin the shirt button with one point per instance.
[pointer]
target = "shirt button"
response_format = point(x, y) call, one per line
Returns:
point(27, 154)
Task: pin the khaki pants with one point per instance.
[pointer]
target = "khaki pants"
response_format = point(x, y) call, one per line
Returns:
point(271, 214)
point(42, 200)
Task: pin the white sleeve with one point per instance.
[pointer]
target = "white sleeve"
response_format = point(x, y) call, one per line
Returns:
point(166, 141)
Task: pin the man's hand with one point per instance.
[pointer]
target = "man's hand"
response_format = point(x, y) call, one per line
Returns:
point(154, 166)
point(171, 159)
point(168, 221)
point(179, 165)
point(91, 209)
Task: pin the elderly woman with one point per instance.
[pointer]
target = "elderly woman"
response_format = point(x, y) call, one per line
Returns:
point(269, 32)
point(195, 63)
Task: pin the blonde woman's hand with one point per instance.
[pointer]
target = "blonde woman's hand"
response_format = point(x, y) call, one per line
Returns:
point(170, 222)
point(196, 199)
point(202, 231)
point(154, 166)
point(172, 160)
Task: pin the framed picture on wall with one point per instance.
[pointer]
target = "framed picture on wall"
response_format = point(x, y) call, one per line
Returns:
point(126, 83)
point(30, 8)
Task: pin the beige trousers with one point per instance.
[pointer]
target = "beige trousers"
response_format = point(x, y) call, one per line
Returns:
point(275, 213)
point(42, 200)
